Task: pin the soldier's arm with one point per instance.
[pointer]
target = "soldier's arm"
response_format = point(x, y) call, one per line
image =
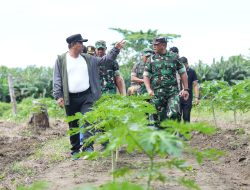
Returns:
point(120, 84)
point(182, 72)
point(184, 79)
point(134, 77)
point(148, 87)
point(146, 79)
point(196, 88)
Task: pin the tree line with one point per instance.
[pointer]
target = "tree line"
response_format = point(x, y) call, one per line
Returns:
point(36, 82)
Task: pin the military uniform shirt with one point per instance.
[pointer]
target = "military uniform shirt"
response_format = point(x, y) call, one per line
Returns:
point(107, 75)
point(137, 71)
point(161, 70)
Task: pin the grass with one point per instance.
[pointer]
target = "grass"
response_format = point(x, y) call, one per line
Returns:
point(50, 152)
point(39, 185)
point(53, 150)
point(22, 169)
point(199, 113)
point(27, 107)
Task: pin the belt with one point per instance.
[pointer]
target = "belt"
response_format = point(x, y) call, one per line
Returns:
point(77, 94)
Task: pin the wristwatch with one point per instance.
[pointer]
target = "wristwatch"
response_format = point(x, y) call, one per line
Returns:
point(186, 89)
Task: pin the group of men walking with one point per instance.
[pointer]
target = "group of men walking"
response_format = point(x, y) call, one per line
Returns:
point(81, 75)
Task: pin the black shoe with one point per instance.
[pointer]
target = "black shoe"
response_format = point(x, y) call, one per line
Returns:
point(88, 149)
point(75, 156)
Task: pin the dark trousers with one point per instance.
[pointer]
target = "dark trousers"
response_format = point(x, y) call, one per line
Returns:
point(79, 102)
point(185, 107)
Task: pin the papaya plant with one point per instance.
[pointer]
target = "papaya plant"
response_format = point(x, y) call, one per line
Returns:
point(209, 91)
point(123, 122)
point(236, 98)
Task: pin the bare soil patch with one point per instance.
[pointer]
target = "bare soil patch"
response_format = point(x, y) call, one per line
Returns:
point(231, 171)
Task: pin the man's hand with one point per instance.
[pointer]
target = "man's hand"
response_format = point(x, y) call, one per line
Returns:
point(184, 94)
point(151, 93)
point(196, 101)
point(60, 102)
point(120, 44)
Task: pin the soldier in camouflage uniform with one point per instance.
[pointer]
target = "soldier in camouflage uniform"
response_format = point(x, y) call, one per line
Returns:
point(137, 72)
point(110, 77)
point(160, 80)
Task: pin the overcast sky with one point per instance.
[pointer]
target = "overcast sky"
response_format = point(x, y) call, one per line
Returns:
point(33, 32)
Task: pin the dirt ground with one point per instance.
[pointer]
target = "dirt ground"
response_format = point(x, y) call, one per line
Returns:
point(230, 172)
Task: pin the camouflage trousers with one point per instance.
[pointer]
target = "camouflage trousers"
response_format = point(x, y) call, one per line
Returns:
point(167, 107)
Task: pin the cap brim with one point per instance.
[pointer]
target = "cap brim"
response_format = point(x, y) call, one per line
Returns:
point(155, 43)
point(147, 54)
point(83, 40)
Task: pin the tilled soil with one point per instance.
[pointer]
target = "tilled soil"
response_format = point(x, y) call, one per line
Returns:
point(231, 171)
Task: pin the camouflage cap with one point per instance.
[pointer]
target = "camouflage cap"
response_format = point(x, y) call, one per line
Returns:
point(91, 50)
point(100, 44)
point(160, 39)
point(147, 52)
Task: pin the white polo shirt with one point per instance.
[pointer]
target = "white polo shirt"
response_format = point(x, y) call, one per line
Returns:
point(78, 76)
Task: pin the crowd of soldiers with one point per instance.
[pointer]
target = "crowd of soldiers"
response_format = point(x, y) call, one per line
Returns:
point(83, 74)
point(162, 70)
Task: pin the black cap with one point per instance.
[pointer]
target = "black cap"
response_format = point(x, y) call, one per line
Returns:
point(75, 38)
point(174, 49)
point(160, 39)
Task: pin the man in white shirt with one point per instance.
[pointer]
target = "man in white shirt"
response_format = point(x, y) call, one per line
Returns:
point(76, 83)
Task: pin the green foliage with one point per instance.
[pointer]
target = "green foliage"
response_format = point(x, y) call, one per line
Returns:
point(39, 185)
point(4, 88)
point(139, 40)
point(31, 105)
point(188, 183)
point(4, 107)
point(231, 70)
point(115, 186)
point(240, 131)
point(123, 121)
point(237, 97)
point(219, 94)
point(209, 89)
point(185, 129)
point(22, 169)
point(52, 150)
point(209, 154)
point(32, 81)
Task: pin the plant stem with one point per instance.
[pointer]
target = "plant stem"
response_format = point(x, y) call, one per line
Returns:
point(212, 105)
point(150, 172)
point(235, 122)
point(151, 157)
point(116, 154)
point(113, 164)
